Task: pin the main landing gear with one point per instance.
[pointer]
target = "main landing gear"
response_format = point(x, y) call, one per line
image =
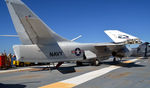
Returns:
point(117, 59)
point(96, 62)
point(114, 60)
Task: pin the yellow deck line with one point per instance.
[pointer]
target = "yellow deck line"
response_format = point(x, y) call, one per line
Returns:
point(130, 61)
point(127, 62)
point(59, 85)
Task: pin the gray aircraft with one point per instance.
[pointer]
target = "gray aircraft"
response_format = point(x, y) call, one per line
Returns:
point(41, 44)
point(143, 50)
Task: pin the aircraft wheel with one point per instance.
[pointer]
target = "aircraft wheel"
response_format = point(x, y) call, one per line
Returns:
point(96, 62)
point(21, 64)
point(78, 63)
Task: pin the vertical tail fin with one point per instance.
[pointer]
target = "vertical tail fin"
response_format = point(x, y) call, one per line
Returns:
point(29, 27)
point(120, 37)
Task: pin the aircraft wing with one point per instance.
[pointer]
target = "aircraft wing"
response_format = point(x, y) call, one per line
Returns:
point(121, 37)
point(118, 46)
point(106, 49)
point(106, 46)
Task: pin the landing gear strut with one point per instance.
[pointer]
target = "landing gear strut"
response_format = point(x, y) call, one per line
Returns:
point(59, 64)
point(114, 60)
point(117, 59)
point(114, 55)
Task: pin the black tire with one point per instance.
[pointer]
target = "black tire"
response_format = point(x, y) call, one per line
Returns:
point(21, 64)
point(95, 62)
point(78, 63)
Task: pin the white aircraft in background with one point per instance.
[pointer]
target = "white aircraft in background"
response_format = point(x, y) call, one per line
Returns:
point(41, 44)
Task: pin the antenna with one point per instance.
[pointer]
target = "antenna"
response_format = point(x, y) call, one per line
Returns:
point(76, 38)
point(9, 35)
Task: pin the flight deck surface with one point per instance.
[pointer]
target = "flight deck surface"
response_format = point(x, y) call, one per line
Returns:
point(133, 73)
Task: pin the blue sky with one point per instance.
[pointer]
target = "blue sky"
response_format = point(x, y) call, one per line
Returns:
point(89, 18)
